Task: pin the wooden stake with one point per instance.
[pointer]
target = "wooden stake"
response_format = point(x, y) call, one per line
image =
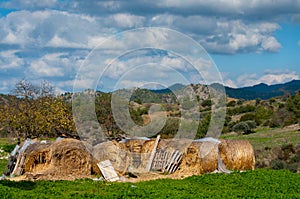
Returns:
point(152, 154)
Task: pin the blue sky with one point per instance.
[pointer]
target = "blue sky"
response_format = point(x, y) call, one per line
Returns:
point(250, 42)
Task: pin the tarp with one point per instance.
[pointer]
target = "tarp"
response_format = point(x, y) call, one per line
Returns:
point(221, 165)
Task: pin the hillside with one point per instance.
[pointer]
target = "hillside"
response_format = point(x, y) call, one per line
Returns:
point(262, 91)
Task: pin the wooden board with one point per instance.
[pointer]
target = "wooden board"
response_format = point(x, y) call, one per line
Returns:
point(108, 171)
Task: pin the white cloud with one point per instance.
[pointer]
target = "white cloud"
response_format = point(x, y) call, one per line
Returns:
point(9, 60)
point(270, 44)
point(268, 78)
point(57, 42)
point(64, 30)
point(48, 29)
point(54, 65)
point(43, 68)
point(127, 20)
point(236, 36)
point(52, 41)
point(29, 4)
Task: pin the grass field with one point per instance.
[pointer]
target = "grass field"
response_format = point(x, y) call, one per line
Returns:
point(260, 183)
point(265, 137)
point(255, 184)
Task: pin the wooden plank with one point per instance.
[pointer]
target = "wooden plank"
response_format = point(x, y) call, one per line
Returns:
point(108, 171)
point(152, 154)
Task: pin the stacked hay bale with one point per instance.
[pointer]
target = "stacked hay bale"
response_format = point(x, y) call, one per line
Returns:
point(206, 157)
point(70, 159)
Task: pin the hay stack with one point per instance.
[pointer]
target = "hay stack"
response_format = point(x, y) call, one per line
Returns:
point(148, 146)
point(66, 159)
point(138, 152)
point(199, 158)
point(71, 156)
point(174, 144)
point(237, 154)
point(38, 157)
point(114, 152)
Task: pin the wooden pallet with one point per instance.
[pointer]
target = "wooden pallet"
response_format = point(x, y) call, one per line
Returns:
point(167, 161)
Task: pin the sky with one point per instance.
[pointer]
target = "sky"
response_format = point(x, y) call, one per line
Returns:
point(82, 43)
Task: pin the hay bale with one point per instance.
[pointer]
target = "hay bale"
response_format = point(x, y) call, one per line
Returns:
point(237, 154)
point(174, 144)
point(114, 152)
point(199, 158)
point(71, 157)
point(67, 159)
point(209, 155)
point(147, 146)
point(38, 157)
point(138, 152)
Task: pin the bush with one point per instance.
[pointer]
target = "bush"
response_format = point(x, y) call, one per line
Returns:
point(247, 117)
point(244, 127)
point(206, 103)
point(241, 109)
point(231, 103)
point(278, 164)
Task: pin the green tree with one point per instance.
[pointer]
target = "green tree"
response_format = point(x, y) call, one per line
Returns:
point(262, 114)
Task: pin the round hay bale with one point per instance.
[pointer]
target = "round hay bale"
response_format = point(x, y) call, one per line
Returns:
point(66, 159)
point(199, 158)
point(147, 146)
point(38, 157)
point(209, 155)
point(174, 144)
point(191, 163)
point(114, 152)
point(70, 156)
point(237, 154)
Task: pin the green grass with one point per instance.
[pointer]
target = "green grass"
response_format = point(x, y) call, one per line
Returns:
point(260, 183)
point(255, 184)
point(269, 137)
point(3, 165)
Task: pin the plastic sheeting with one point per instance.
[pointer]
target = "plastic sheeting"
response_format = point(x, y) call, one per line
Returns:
point(221, 165)
point(26, 144)
point(13, 153)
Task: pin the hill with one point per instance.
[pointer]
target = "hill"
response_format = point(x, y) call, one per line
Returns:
point(263, 91)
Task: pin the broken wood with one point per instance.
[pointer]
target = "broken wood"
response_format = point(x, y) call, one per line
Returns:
point(108, 171)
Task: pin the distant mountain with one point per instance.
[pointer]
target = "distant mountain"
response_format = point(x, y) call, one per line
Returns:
point(263, 91)
point(167, 95)
point(173, 88)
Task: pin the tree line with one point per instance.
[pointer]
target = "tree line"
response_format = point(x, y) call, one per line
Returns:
point(31, 111)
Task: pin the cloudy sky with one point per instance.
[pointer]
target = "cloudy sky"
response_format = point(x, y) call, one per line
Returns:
point(250, 42)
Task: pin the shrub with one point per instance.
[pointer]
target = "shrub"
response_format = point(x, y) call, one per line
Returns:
point(231, 103)
point(247, 117)
point(278, 164)
point(244, 127)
